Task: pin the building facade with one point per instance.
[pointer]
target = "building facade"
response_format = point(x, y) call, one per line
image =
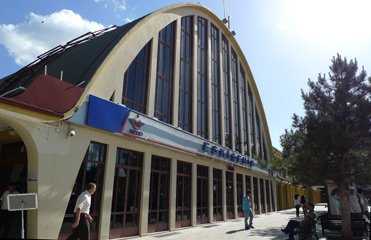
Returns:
point(163, 114)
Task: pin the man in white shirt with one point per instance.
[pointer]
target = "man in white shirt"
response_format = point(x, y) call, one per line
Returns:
point(364, 201)
point(82, 219)
point(355, 204)
point(6, 217)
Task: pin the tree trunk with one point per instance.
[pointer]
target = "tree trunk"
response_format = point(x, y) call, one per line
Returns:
point(346, 230)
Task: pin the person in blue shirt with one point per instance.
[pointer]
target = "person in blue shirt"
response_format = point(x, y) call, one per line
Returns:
point(247, 210)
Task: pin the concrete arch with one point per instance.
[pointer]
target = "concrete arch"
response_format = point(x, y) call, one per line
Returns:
point(108, 78)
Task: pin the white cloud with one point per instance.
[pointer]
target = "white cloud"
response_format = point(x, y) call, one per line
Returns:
point(25, 41)
point(118, 5)
point(128, 20)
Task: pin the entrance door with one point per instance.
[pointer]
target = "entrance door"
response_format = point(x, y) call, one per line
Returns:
point(13, 169)
point(218, 197)
point(91, 170)
point(239, 195)
point(183, 194)
point(158, 212)
point(230, 195)
point(126, 194)
point(202, 194)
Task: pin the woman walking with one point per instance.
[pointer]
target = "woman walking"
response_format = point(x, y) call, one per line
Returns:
point(297, 204)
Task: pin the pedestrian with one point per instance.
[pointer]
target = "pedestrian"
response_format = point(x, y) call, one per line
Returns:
point(82, 218)
point(6, 216)
point(297, 204)
point(364, 201)
point(356, 204)
point(335, 202)
point(305, 224)
point(247, 210)
point(303, 203)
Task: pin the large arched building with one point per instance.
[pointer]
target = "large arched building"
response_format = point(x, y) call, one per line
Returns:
point(162, 113)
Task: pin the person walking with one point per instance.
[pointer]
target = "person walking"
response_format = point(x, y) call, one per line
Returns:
point(247, 210)
point(303, 203)
point(364, 201)
point(82, 218)
point(297, 204)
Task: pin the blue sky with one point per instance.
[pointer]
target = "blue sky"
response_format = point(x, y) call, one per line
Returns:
point(285, 42)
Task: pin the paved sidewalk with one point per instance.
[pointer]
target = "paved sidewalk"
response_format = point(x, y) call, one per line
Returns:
point(267, 226)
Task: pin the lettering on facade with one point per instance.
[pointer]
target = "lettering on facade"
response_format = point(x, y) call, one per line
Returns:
point(227, 154)
point(135, 132)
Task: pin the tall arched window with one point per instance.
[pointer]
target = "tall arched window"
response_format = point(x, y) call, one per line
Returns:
point(185, 76)
point(252, 123)
point(165, 66)
point(215, 85)
point(243, 93)
point(258, 138)
point(202, 129)
point(236, 122)
point(226, 94)
point(134, 93)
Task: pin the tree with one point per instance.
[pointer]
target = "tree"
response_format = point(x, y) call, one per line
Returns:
point(332, 142)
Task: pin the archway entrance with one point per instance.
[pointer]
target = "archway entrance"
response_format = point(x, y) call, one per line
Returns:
point(13, 169)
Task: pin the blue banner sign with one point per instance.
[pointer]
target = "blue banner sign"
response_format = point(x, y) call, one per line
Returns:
point(117, 118)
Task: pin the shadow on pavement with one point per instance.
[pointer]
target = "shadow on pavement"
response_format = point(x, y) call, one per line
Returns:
point(235, 231)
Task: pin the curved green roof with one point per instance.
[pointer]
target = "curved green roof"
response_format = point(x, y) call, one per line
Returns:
point(78, 59)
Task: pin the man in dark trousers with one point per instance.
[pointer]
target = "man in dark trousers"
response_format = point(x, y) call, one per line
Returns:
point(82, 219)
point(247, 210)
point(306, 223)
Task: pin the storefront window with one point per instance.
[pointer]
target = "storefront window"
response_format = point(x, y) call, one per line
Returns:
point(91, 170)
point(126, 194)
point(158, 211)
point(183, 194)
point(202, 194)
point(217, 195)
point(230, 196)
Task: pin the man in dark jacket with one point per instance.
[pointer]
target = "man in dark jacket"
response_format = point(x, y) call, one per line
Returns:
point(305, 224)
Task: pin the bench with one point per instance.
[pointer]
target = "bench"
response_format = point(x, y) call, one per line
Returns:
point(333, 223)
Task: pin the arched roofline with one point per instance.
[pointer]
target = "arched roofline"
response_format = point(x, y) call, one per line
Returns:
point(154, 22)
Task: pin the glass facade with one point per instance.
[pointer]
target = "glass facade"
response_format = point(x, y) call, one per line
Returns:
point(252, 123)
point(256, 194)
point(186, 74)
point(236, 112)
point(258, 139)
point(126, 193)
point(230, 97)
point(202, 194)
point(226, 94)
point(154, 184)
point(230, 89)
point(134, 93)
point(243, 84)
point(217, 194)
point(230, 195)
point(262, 199)
point(215, 85)
point(158, 212)
point(183, 194)
point(202, 120)
point(165, 72)
point(239, 195)
point(91, 170)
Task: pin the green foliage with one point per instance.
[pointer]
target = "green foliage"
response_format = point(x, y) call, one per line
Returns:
point(333, 140)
